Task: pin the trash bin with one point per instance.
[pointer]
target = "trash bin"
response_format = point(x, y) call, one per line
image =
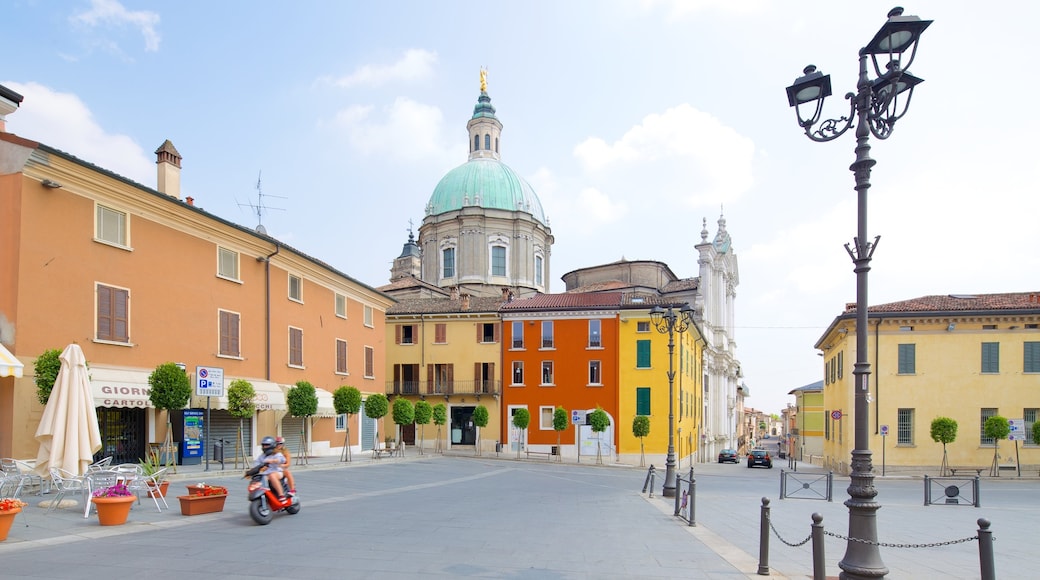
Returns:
point(498, 447)
point(555, 449)
point(218, 451)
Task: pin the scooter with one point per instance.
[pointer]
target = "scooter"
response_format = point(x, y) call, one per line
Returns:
point(263, 503)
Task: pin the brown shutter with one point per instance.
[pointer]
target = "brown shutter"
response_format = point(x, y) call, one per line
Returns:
point(441, 333)
point(235, 333)
point(498, 331)
point(104, 313)
point(490, 387)
point(451, 379)
point(480, 332)
point(397, 334)
point(429, 379)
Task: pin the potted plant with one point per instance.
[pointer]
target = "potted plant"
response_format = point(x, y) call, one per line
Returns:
point(203, 499)
point(113, 504)
point(9, 508)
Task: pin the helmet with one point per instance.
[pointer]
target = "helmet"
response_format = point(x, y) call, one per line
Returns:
point(267, 444)
point(279, 441)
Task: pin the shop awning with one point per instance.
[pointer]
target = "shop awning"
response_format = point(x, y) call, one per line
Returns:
point(269, 397)
point(326, 408)
point(114, 387)
point(9, 365)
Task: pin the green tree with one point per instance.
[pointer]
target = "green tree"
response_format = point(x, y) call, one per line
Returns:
point(423, 415)
point(45, 369)
point(170, 389)
point(347, 401)
point(944, 430)
point(996, 428)
point(641, 428)
point(560, 422)
point(521, 419)
point(302, 401)
point(240, 396)
point(376, 407)
point(1036, 434)
point(600, 422)
point(404, 414)
point(440, 418)
point(480, 419)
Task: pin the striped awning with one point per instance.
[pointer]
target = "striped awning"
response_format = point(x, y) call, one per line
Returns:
point(326, 407)
point(9, 365)
point(269, 397)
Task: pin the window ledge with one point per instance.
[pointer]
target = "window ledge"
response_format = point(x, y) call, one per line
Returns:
point(113, 342)
point(114, 245)
point(230, 279)
point(231, 356)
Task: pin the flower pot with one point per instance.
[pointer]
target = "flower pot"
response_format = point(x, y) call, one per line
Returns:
point(193, 505)
point(6, 519)
point(163, 487)
point(113, 511)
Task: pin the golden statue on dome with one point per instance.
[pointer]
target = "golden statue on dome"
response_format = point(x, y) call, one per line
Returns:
point(483, 80)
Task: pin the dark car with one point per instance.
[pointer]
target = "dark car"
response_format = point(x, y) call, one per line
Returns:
point(728, 456)
point(759, 457)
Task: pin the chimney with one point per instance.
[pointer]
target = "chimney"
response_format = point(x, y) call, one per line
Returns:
point(190, 200)
point(454, 292)
point(505, 294)
point(465, 301)
point(9, 103)
point(168, 161)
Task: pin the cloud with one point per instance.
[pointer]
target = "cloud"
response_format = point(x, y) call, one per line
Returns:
point(682, 156)
point(406, 130)
point(678, 9)
point(63, 121)
point(110, 13)
point(415, 64)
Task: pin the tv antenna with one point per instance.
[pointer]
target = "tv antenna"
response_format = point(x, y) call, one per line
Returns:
point(259, 208)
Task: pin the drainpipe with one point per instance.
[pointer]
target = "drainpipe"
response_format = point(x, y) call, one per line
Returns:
point(877, 375)
point(267, 305)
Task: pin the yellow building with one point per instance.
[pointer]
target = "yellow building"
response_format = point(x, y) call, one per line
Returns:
point(966, 357)
point(806, 437)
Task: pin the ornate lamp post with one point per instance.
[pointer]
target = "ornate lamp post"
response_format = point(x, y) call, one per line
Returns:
point(874, 108)
point(671, 322)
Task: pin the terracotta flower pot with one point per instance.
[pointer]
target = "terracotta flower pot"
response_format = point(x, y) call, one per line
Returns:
point(113, 511)
point(163, 487)
point(6, 519)
point(193, 505)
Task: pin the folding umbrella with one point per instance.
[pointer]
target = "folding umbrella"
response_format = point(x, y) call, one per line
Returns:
point(68, 433)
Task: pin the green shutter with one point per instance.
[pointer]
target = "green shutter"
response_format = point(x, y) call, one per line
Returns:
point(1031, 357)
point(991, 357)
point(642, 354)
point(907, 356)
point(643, 401)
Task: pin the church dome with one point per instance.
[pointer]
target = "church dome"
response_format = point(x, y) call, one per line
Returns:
point(488, 183)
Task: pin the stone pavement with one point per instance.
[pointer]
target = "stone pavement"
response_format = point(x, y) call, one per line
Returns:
point(626, 541)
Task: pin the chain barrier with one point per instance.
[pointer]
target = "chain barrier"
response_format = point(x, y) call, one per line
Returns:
point(888, 545)
point(781, 538)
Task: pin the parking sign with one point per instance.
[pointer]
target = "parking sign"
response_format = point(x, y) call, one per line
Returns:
point(209, 382)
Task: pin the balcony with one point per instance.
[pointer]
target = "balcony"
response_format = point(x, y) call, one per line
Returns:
point(444, 388)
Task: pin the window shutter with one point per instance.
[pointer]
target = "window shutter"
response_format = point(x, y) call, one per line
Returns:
point(480, 332)
point(104, 313)
point(429, 379)
point(498, 332)
point(441, 333)
point(397, 334)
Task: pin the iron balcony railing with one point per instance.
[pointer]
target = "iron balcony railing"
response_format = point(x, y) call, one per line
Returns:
point(455, 387)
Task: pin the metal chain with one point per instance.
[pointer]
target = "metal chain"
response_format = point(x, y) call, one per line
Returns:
point(781, 538)
point(887, 545)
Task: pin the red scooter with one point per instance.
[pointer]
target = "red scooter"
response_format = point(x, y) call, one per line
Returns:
point(263, 503)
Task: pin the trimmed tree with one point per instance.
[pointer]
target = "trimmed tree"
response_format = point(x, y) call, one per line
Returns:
point(996, 428)
point(641, 428)
point(944, 430)
point(404, 414)
point(440, 418)
point(600, 421)
point(240, 396)
point(480, 419)
point(347, 401)
point(423, 414)
point(376, 407)
point(1036, 434)
point(45, 369)
point(560, 422)
point(170, 390)
point(302, 401)
point(521, 419)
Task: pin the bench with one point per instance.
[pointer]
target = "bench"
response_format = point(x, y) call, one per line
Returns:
point(978, 470)
point(379, 453)
point(548, 454)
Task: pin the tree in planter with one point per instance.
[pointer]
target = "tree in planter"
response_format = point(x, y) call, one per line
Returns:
point(45, 369)
point(376, 407)
point(600, 421)
point(480, 419)
point(641, 428)
point(440, 418)
point(240, 396)
point(560, 421)
point(302, 401)
point(996, 428)
point(170, 390)
point(521, 419)
point(404, 414)
point(347, 401)
point(944, 430)
point(423, 414)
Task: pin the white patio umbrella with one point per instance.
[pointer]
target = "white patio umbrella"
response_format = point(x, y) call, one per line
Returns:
point(68, 432)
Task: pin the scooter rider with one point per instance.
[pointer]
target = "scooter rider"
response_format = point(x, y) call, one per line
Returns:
point(272, 460)
point(287, 475)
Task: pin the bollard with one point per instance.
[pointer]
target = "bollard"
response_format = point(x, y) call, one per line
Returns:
point(927, 491)
point(693, 499)
point(763, 540)
point(649, 482)
point(678, 496)
point(819, 565)
point(783, 484)
point(989, 572)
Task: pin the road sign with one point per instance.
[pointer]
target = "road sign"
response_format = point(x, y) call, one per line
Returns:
point(1017, 430)
point(835, 415)
point(578, 417)
point(884, 430)
point(209, 382)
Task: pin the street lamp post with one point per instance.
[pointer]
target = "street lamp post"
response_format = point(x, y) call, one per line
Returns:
point(671, 322)
point(874, 108)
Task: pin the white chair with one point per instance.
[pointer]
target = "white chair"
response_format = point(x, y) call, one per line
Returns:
point(12, 471)
point(154, 483)
point(100, 465)
point(65, 482)
point(97, 478)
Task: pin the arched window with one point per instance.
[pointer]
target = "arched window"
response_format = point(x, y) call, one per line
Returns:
point(498, 260)
point(476, 142)
point(487, 142)
point(448, 262)
point(538, 271)
point(496, 144)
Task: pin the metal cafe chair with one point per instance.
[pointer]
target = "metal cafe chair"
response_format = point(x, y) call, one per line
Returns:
point(65, 482)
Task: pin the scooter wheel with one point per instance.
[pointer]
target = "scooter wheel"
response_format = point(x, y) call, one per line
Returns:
point(260, 512)
point(293, 509)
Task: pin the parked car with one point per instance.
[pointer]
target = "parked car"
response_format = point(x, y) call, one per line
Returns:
point(759, 457)
point(728, 456)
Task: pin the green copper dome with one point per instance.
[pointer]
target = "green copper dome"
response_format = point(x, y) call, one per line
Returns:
point(487, 183)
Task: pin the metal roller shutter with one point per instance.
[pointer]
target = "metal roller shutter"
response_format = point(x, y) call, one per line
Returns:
point(292, 430)
point(223, 426)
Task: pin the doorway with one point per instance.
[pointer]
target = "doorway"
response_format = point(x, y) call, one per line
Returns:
point(463, 431)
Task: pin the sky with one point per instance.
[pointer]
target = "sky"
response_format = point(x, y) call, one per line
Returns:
point(634, 121)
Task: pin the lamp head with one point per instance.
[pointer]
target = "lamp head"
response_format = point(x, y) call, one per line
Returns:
point(898, 34)
point(812, 85)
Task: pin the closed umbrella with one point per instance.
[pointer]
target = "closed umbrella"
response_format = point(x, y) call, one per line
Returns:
point(68, 432)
